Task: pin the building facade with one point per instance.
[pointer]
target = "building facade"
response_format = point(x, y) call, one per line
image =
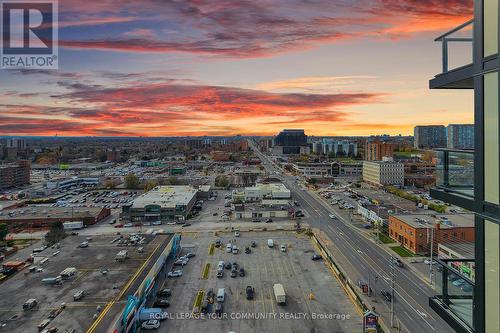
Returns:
point(15, 174)
point(415, 232)
point(290, 141)
point(433, 136)
point(376, 150)
point(383, 173)
point(460, 136)
point(483, 196)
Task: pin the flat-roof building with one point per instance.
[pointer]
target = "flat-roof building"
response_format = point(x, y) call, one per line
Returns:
point(163, 203)
point(415, 231)
point(384, 173)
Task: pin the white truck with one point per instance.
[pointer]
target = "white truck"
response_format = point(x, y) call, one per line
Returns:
point(122, 255)
point(279, 293)
point(73, 225)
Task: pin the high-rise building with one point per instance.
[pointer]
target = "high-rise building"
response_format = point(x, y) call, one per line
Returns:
point(19, 144)
point(376, 150)
point(291, 141)
point(339, 148)
point(15, 174)
point(460, 136)
point(433, 136)
point(112, 155)
point(475, 307)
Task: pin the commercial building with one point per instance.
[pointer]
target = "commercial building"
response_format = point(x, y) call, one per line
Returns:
point(42, 216)
point(383, 173)
point(329, 170)
point(339, 148)
point(290, 141)
point(264, 209)
point(112, 155)
point(415, 232)
point(15, 174)
point(419, 174)
point(163, 203)
point(260, 192)
point(479, 310)
point(376, 150)
point(460, 136)
point(453, 250)
point(433, 136)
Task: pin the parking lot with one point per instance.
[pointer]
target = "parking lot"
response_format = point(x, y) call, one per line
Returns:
point(99, 288)
point(314, 300)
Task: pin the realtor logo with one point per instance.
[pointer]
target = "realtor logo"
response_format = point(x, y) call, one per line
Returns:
point(29, 34)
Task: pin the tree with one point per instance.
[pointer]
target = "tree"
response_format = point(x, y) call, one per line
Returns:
point(222, 181)
point(150, 184)
point(131, 181)
point(56, 233)
point(110, 184)
point(4, 231)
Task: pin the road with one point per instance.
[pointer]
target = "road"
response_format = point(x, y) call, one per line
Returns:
point(361, 258)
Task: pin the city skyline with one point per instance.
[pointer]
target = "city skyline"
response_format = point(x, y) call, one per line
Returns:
point(224, 68)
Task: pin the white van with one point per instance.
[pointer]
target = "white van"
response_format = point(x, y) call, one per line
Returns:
point(229, 248)
point(220, 295)
point(270, 243)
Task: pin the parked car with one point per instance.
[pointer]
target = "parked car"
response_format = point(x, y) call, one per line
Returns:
point(316, 257)
point(242, 272)
point(227, 265)
point(236, 233)
point(253, 244)
point(387, 295)
point(180, 262)
point(176, 273)
point(269, 220)
point(161, 303)
point(189, 255)
point(282, 248)
point(164, 292)
point(220, 273)
point(250, 292)
point(247, 250)
point(151, 324)
point(234, 273)
point(218, 243)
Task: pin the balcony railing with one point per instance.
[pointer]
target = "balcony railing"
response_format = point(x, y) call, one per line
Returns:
point(461, 34)
point(455, 171)
point(455, 289)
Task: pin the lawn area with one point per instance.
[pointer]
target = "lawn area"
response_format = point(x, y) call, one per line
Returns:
point(402, 251)
point(385, 239)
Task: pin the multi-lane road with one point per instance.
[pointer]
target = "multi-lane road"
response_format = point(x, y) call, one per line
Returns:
point(361, 258)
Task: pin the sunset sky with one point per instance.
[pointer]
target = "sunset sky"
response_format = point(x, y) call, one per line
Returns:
point(195, 67)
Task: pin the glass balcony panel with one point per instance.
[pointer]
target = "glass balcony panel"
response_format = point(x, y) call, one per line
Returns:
point(456, 47)
point(455, 171)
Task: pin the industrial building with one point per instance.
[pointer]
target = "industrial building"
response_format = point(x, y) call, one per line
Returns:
point(163, 203)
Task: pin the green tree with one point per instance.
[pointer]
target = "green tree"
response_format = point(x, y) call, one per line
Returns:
point(4, 231)
point(131, 181)
point(56, 233)
point(222, 181)
point(150, 184)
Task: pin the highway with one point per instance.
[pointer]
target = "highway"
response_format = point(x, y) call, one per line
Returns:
point(362, 258)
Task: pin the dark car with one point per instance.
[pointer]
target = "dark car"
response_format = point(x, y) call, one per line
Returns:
point(164, 292)
point(397, 262)
point(253, 244)
point(247, 250)
point(269, 220)
point(218, 243)
point(228, 265)
point(215, 214)
point(242, 271)
point(186, 225)
point(234, 273)
point(161, 303)
point(250, 292)
point(316, 257)
point(235, 266)
point(386, 294)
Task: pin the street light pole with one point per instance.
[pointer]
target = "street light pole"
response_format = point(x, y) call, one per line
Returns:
point(431, 263)
point(393, 273)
